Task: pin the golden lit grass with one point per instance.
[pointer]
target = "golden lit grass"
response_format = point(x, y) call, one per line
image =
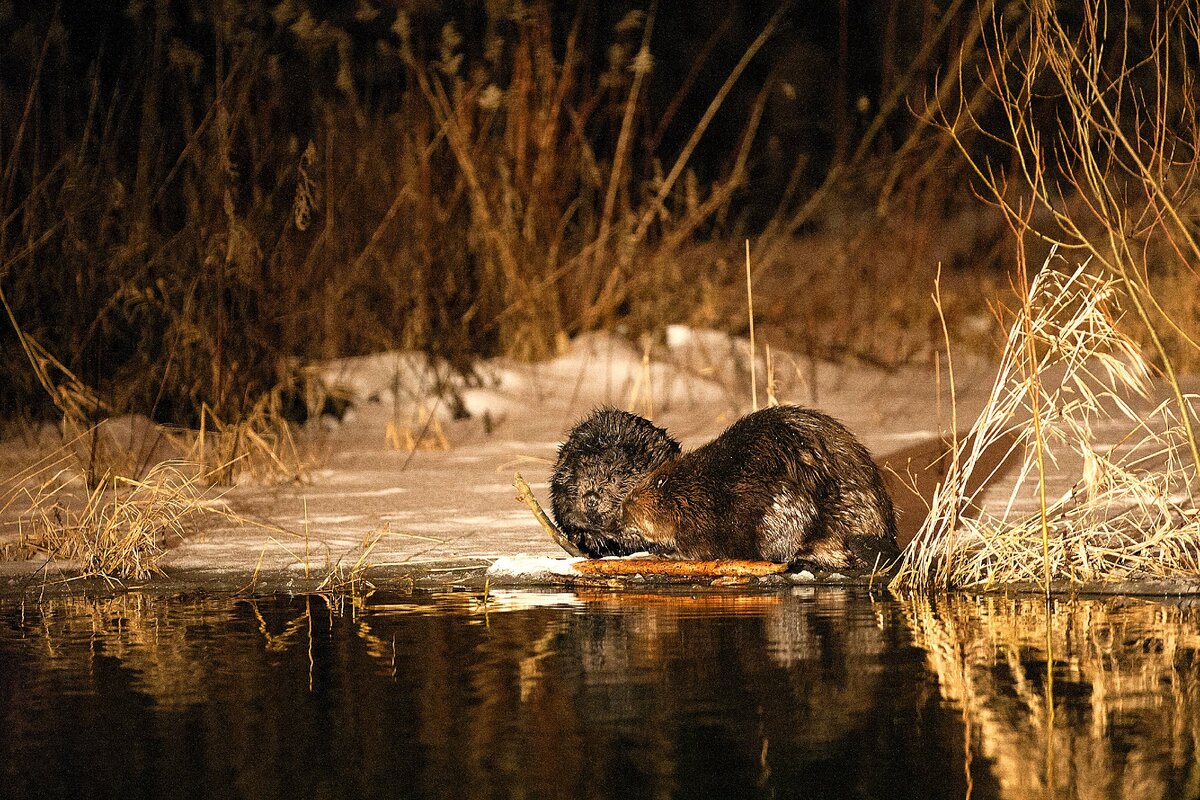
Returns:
point(107, 502)
point(1129, 512)
point(1114, 170)
point(504, 205)
point(260, 445)
point(506, 202)
point(1113, 178)
point(117, 530)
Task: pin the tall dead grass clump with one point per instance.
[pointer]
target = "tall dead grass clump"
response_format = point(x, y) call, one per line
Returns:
point(1098, 153)
point(1099, 488)
point(298, 183)
point(568, 221)
point(116, 531)
point(260, 446)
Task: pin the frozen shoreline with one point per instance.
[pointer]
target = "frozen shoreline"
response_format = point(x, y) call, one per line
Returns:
point(439, 516)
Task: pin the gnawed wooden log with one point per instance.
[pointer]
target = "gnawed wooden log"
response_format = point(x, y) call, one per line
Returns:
point(723, 568)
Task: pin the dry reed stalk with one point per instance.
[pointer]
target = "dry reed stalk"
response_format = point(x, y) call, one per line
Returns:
point(1114, 178)
point(342, 581)
point(115, 533)
point(76, 402)
point(750, 312)
point(1033, 377)
point(1130, 513)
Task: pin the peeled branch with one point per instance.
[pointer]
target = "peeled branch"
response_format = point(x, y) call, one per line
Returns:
point(525, 495)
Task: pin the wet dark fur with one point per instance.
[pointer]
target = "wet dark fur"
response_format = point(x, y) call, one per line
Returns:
point(784, 484)
point(603, 458)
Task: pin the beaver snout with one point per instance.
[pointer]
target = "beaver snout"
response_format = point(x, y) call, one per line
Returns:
point(591, 502)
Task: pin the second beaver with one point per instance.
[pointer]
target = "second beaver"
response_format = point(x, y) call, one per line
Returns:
point(784, 484)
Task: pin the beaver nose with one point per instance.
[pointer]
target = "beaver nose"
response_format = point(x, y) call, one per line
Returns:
point(591, 502)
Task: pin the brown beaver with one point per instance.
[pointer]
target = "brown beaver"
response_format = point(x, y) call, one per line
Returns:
point(785, 484)
point(603, 458)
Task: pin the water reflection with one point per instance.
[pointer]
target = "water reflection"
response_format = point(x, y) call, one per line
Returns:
point(817, 692)
point(1071, 698)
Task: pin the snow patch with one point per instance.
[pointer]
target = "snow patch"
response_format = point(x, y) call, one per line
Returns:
point(526, 569)
point(328, 519)
point(499, 519)
point(493, 488)
point(385, 492)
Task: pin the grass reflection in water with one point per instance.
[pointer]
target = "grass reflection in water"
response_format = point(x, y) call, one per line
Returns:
point(815, 693)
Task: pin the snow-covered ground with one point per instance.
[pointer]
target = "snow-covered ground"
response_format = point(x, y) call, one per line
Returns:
point(434, 505)
point(372, 501)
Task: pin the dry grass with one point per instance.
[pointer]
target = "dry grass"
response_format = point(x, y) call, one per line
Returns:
point(497, 203)
point(1128, 511)
point(1111, 175)
point(117, 530)
point(349, 580)
point(1111, 167)
point(858, 291)
point(181, 238)
point(261, 447)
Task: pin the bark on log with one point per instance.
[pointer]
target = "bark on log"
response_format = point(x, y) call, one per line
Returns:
point(691, 569)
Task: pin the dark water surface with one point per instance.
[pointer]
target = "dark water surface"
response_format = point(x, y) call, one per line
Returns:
point(814, 693)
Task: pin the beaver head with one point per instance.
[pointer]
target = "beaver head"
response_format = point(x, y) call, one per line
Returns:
point(601, 481)
point(602, 460)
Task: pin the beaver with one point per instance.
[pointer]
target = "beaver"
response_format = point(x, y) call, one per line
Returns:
point(784, 484)
point(603, 458)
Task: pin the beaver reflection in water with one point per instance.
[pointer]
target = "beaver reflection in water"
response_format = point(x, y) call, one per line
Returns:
point(785, 484)
point(603, 458)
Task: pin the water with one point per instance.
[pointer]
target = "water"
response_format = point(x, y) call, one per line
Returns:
point(814, 693)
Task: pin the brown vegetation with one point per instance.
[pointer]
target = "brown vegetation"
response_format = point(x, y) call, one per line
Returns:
point(1108, 183)
point(186, 225)
point(267, 185)
point(1128, 512)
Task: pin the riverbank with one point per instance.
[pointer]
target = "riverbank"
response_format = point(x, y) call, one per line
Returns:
point(370, 513)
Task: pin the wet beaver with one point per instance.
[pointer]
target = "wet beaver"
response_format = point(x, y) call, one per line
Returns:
point(784, 484)
point(603, 458)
